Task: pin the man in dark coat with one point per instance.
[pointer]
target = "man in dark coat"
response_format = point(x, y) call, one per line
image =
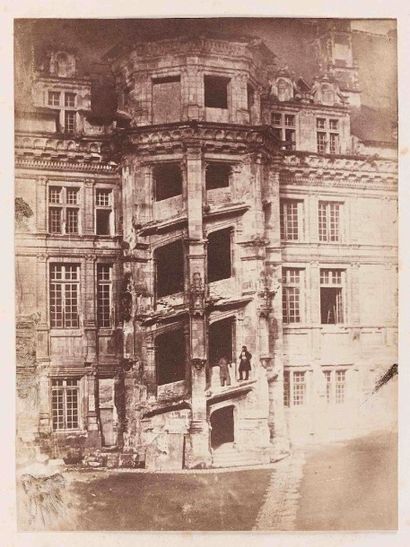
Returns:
point(224, 375)
point(244, 363)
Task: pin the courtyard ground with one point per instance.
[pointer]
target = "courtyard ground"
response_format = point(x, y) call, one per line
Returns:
point(348, 485)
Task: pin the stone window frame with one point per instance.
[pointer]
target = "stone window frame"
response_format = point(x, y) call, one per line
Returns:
point(100, 283)
point(64, 282)
point(104, 207)
point(64, 374)
point(288, 287)
point(331, 375)
point(327, 135)
point(291, 394)
point(331, 225)
point(298, 204)
point(218, 228)
point(63, 205)
point(283, 129)
point(334, 281)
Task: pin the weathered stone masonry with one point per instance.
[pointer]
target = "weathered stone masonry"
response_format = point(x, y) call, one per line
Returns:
point(184, 229)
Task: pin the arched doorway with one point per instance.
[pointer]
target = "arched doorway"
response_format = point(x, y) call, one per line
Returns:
point(222, 424)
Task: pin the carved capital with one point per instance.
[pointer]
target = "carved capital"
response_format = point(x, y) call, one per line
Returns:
point(198, 363)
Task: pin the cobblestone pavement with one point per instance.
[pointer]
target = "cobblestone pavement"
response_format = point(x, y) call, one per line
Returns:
point(279, 509)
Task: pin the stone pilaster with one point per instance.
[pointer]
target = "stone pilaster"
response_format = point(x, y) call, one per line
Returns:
point(90, 327)
point(88, 210)
point(199, 431)
point(41, 205)
point(93, 429)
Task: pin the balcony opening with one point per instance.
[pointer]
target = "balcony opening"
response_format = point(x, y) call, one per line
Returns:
point(169, 265)
point(219, 255)
point(222, 426)
point(167, 180)
point(166, 99)
point(216, 91)
point(103, 222)
point(220, 341)
point(170, 356)
point(217, 176)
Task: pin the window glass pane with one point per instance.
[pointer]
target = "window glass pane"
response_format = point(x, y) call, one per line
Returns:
point(286, 389)
point(54, 98)
point(276, 118)
point(72, 221)
point(54, 220)
point(289, 220)
point(54, 194)
point(290, 120)
point(321, 123)
point(72, 194)
point(299, 388)
point(333, 125)
point(321, 142)
point(69, 121)
point(103, 198)
point(69, 99)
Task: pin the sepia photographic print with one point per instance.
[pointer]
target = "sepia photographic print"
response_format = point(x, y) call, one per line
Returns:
point(206, 274)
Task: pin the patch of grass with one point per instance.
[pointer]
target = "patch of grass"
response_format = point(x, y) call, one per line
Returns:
point(132, 501)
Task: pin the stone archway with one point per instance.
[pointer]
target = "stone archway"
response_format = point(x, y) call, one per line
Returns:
point(222, 424)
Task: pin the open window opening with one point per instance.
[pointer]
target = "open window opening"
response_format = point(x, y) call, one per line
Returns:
point(170, 356)
point(216, 91)
point(217, 175)
point(219, 255)
point(331, 305)
point(167, 180)
point(169, 263)
point(220, 341)
point(103, 222)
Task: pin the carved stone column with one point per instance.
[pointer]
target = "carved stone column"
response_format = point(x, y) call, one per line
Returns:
point(199, 431)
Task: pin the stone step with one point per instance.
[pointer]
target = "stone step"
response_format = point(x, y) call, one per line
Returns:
point(232, 458)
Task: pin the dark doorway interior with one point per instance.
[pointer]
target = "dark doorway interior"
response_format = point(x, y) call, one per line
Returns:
point(222, 424)
point(220, 340)
point(219, 255)
point(169, 261)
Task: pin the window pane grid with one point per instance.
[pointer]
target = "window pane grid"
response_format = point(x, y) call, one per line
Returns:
point(64, 296)
point(321, 123)
point(299, 388)
point(64, 404)
point(72, 194)
point(321, 142)
point(291, 295)
point(340, 386)
point(289, 220)
point(330, 277)
point(54, 194)
point(329, 221)
point(54, 220)
point(276, 118)
point(54, 98)
point(333, 143)
point(69, 121)
point(72, 221)
point(69, 99)
point(289, 120)
point(286, 389)
point(102, 198)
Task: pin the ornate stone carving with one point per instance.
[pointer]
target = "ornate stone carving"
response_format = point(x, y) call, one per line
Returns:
point(198, 364)
point(268, 289)
point(197, 296)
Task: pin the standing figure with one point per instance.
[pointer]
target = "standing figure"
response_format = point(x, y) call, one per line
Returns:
point(224, 375)
point(244, 363)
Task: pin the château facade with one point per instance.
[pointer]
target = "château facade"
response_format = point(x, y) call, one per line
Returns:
point(225, 204)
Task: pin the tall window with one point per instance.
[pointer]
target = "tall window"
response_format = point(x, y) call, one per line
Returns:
point(294, 388)
point(63, 210)
point(331, 296)
point(69, 121)
point(104, 295)
point(284, 128)
point(329, 221)
point(219, 255)
point(64, 404)
point(291, 212)
point(103, 211)
point(291, 294)
point(335, 386)
point(64, 295)
point(327, 136)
